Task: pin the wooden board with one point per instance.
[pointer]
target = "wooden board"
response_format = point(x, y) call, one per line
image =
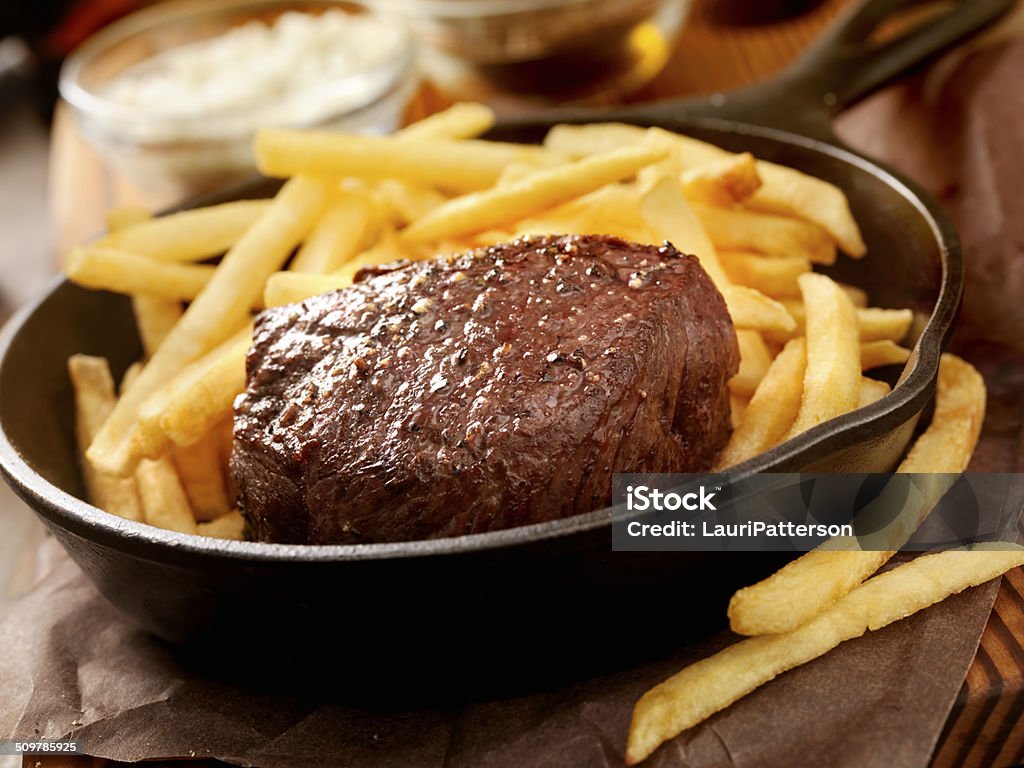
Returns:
point(985, 727)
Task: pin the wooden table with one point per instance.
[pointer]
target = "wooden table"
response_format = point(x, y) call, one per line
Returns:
point(985, 727)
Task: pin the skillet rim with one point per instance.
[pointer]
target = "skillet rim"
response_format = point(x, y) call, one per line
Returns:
point(910, 395)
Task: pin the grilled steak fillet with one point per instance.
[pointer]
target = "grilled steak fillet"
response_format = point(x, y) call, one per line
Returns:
point(491, 389)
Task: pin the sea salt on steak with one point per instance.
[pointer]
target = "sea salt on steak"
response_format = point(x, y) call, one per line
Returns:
point(491, 389)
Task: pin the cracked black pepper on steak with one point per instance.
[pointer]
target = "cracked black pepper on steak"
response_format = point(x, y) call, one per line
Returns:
point(491, 389)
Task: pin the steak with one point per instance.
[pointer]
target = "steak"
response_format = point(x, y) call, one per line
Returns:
point(474, 392)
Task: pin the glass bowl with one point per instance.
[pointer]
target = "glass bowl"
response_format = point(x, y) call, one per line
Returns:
point(546, 51)
point(192, 147)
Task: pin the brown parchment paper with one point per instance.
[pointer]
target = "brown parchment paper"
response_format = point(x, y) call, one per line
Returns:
point(70, 665)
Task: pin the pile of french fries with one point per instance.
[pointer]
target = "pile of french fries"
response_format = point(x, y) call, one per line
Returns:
point(356, 201)
point(157, 451)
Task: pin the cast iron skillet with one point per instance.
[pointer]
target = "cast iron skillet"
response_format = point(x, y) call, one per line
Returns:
point(552, 590)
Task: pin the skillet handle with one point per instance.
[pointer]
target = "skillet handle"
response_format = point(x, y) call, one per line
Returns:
point(843, 67)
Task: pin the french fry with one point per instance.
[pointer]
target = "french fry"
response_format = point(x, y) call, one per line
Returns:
point(458, 166)
point(949, 441)
point(873, 323)
point(406, 203)
point(871, 391)
point(784, 191)
point(339, 234)
point(292, 287)
point(480, 239)
point(671, 218)
point(832, 375)
point(858, 296)
point(130, 375)
point(772, 276)
point(544, 189)
point(108, 269)
point(515, 172)
point(712, 684)
point(610, 210)
point(787, 191)
point(812, 582)
point(737, 409)
point(577, 141)
point(155, 317)
point(201, 395)
point(876, 354)
point(191, 235)
point(386, 250)
point(752, 310)
point(163, 497)
point(126, 216)
point(198, 467)
point(805, 587)
point(754, 361)
point(217, 311)
point(773, 408)
point(228, 526)
point(878, 324)
point(164, 501)
point(464, 120)
point(225, 435)
point(94, 400)
point(743, 230)
point(724, 182)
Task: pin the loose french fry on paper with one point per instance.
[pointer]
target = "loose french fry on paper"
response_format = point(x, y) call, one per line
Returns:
point(712, 684)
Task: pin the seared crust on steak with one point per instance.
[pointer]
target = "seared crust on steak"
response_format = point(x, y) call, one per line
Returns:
point(481, 391)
